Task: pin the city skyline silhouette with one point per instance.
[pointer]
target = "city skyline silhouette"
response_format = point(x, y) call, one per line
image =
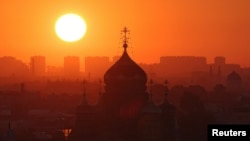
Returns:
point(175, 99)
point(124, 70)
point(181, 28)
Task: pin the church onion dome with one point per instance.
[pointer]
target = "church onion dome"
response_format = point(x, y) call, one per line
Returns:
point(233, 76)
point(125, 68)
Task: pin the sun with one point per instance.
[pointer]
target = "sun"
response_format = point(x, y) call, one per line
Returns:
point(70, 27)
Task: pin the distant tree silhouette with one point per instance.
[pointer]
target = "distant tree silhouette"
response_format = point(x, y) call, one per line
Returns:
point(193, 119)
point(198, 90)
point(219, 89)
point(175, 94)
point(223, 98)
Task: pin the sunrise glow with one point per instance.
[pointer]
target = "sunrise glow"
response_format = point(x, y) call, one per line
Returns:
point(70, 27)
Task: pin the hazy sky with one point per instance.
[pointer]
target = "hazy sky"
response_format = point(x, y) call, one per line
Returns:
point(158, 27)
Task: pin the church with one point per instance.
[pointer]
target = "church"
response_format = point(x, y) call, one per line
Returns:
point(125, 111)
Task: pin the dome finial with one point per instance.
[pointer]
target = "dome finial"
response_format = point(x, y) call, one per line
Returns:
point(125, 38)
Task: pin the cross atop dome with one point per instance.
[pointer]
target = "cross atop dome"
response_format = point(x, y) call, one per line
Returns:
point(125, 69)
point(125, 31)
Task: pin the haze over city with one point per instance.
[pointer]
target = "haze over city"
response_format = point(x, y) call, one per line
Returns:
point(164, 70)
point(159, 28)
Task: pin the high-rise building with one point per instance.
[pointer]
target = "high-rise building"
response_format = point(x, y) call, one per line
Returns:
point(181, 65)
point(71, 66)
point(10, 66)
point(219, 61)
point(38, 65)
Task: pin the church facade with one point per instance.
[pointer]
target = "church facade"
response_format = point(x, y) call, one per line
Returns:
point(125, 111)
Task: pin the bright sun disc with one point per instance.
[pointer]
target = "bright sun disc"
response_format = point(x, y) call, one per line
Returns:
point(70, 27)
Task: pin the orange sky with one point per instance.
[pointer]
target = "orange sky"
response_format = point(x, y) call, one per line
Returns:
point(161, 27)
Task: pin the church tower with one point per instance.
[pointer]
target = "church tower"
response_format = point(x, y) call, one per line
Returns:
point(86, 120)
point(150, 123)
point(125, 92)
point(168, 117)
point(125, 110)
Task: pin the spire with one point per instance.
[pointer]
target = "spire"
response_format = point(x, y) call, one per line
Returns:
point(10, 133)
point(125, 31)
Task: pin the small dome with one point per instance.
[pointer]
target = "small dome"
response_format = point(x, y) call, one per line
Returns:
point(125, 69)
point(233, 76)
